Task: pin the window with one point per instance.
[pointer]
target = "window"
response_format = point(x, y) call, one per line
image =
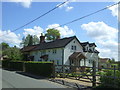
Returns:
point(74, 42)
point(43, 52)
point(57, 62)
point(54, 51)
point(89, 61)
point(48, 50)
point(73, 47)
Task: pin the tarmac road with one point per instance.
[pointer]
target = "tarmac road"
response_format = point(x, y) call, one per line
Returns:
point(11, 79)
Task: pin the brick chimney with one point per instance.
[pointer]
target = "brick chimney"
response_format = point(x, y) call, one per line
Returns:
point(42, 38)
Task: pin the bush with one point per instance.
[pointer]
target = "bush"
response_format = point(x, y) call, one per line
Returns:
point(5, 64)
point(16, 65)
point(39, 68)
point(110, 81)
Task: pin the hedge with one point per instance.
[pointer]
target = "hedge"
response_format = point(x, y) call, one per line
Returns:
point(39, 68)
point(5, 64)
point(16, 65)
point(109, 81)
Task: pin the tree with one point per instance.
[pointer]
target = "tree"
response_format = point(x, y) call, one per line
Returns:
point(52, 34)
point(4, 45)
point(29, 40)
point(12, 53)
point(35, 40)
point(111, 60)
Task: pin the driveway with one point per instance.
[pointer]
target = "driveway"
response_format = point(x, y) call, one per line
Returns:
point(11, 79)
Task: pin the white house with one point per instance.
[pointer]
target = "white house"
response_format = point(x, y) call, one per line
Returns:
point(65, 51)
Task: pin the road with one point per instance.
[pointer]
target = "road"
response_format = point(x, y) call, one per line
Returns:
point(11, 79)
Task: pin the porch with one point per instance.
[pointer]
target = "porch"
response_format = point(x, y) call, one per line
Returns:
point(77, 59)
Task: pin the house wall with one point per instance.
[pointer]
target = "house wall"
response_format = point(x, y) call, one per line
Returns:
point(57, 57)
point(90, 58)
point(68, 51)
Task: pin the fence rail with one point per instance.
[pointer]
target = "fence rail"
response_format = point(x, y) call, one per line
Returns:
point(83, 72)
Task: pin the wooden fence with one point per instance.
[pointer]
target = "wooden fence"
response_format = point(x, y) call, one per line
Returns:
point(77, 72)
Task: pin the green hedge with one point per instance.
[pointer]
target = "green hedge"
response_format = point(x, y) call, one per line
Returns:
point(110, 82)
point(39, 68)
point(16, 65)
point(5, 64)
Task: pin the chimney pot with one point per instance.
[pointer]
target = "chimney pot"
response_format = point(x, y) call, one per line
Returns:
point(42, 38)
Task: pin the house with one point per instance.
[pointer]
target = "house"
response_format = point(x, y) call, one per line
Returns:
point(91, 53)
point(104, 63)
point(65, 51)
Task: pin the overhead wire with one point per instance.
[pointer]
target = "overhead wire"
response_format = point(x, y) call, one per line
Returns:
point(86, 15)
point(57, 6)
point(67, 22)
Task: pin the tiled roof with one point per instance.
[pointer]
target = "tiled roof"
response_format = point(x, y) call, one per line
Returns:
point(104, 60)
point(59, 43)
point(76, 55)
point(28, 48)
point(87, 43)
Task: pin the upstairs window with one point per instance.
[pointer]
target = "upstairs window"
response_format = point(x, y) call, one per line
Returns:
point(54, 51)
point(73, 48)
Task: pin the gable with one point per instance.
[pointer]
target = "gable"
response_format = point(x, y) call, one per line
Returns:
point(74, 42)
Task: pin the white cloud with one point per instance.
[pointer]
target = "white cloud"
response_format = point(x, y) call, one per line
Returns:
point(115, 11)
point(105, 36)
point(66, 6)
point(64, 31)
point(36, 30)
point(100, 30)
point(69, 8)
point(24, 3)
point(10, 37)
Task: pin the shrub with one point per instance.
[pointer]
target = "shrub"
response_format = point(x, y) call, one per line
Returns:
point(5, 64)
point(16, 65)
point(110, 81)
point(39, 68)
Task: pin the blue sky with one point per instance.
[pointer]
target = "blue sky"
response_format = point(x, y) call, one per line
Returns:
point(100, 28)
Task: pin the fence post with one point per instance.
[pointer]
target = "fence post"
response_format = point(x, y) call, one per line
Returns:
point(63, 71)
point(94, 74)
point(23, 66)
point(53, 70)
point(114, 75)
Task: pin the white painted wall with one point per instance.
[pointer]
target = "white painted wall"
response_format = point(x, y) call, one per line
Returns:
point(90, 58)
point(57, 57)
point(68, 51)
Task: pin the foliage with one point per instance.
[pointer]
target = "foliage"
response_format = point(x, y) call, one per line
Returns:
point(4, 45)
point(16, 65)
point(52, 34)
point(39, 68)
point(107, 79)
point(5, 63)
point(29, 40)
point(11, 53)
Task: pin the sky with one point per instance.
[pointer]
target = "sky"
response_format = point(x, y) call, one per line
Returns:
point(100, 28)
